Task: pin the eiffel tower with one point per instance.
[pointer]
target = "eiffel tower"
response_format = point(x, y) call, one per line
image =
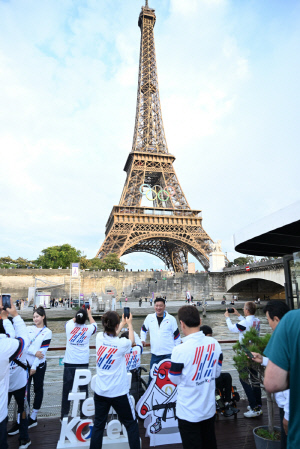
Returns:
point(153, 214)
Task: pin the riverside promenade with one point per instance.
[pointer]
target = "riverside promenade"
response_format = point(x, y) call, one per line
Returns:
point(62, 313)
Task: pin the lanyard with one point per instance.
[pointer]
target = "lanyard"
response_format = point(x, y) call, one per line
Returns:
point(36, 336)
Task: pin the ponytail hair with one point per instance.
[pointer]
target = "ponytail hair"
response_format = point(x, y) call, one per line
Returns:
point(110, 321)
point(81, 316)
point(42, 312)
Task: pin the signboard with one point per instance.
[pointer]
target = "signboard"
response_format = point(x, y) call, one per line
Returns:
point(247, 268)
point(75, 270)
point(157, 407)
point(77, 432)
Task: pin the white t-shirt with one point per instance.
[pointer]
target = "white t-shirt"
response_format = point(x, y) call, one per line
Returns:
point(111, 378)
point(133, 357)
point(194, 366)
point(8, 346)
point(243, 325)
point(163, 337)
point(78, 337)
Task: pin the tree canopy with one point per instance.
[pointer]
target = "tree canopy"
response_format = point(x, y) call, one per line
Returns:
point(58, 256)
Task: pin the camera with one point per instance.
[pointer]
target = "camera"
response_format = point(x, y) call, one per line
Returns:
point(6, 302)
point(230, 310)
point(126, 312)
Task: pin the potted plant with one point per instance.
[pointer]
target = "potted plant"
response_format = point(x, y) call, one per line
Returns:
point(264, 436)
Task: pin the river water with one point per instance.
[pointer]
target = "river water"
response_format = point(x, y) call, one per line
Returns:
point(215, 320)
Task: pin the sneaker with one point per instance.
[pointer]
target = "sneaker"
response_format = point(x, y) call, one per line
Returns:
point(248, 407)
point(253, 413)
point(14, 429)
point(227, 411)
point(156, 427)
point(24, 444)
point(234, 409)
point(32, 423)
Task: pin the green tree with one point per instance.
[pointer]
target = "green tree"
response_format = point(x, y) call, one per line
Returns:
point(7, 262)
point(23, 263)
point(58, 256)
point(112, 262)
point(243, 260)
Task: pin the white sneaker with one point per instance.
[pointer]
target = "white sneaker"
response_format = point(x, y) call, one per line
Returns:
point(253, 413)
point(248, 407)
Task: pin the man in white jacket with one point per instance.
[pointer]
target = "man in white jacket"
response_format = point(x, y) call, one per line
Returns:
point(194, 366)
point(253, 391)
point(164, 333)
point(274, 311)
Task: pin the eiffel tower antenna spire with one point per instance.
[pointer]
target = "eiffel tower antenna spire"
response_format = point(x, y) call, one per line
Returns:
point(153, 214)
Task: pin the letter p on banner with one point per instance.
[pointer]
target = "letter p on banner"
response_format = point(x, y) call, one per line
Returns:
point(82, 377)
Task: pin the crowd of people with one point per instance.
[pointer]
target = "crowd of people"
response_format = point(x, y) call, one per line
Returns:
point(195, 368)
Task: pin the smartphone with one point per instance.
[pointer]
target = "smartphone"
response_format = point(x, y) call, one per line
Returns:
point(246, 351)
point(87, 305)
point(230, 310)
point(126, 312)
point(6, 302)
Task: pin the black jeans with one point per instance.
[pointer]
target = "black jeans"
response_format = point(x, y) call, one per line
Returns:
point(69, 374)
point(38, 386)
point(283, 441)
point(253, 391)
point(198, 435)
point(224, 383)
point(3, 434)
point(126, 414)
point(19, 396)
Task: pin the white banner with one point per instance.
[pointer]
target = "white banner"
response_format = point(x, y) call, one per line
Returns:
point(75, 270)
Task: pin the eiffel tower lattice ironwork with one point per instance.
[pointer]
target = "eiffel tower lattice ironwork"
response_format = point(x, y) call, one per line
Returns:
point(167, 227)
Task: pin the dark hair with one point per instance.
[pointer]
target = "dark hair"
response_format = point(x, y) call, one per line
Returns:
point(2, 330)
point(110, 320)
point(206, 329)
point(189, 315)
point(251, 306)
point(277, 308)
point(159, 299)
point(125, 334)
point(41, 311)
point(81, 316)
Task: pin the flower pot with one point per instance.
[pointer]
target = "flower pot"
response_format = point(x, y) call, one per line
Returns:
point(263, 443)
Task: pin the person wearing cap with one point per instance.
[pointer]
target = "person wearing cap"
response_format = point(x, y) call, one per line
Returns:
point(77, 353)
point(164, 333)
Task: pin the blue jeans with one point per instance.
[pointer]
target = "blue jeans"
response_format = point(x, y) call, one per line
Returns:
point(126, 414)
point(19, 396)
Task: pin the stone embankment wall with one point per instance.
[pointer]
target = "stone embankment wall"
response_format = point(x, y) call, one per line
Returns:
point(133, 284)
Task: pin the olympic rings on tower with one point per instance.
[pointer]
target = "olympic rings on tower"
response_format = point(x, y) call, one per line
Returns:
point(152, 193)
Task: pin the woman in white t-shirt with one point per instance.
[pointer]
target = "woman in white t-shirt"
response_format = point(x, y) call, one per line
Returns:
point(77, 353)
point(39, 340)
point(112, 388)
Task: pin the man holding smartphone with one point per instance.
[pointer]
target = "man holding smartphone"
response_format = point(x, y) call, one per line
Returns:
point(253, 391)
point(164, 333)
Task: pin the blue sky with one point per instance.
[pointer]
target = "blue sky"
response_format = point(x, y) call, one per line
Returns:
point(229, 86)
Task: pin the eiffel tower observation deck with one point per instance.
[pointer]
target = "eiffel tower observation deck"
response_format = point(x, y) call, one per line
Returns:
point(153, 214)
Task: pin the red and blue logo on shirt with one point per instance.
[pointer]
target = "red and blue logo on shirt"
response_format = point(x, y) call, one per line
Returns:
point(78, 335)
point(205, 367)
point(105, 358)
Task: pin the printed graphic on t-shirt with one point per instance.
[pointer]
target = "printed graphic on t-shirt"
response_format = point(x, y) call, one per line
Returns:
point(132, 359)
point(204, 363)
point(78, 335)
point(256, 325)
point(105, 357)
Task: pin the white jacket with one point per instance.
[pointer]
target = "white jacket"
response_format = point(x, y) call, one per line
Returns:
point(282, 398)
point(243, 325)
point(39, 341)
point(18, 375)
point(163, 338)
point(9, 347)
point(195, 365)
